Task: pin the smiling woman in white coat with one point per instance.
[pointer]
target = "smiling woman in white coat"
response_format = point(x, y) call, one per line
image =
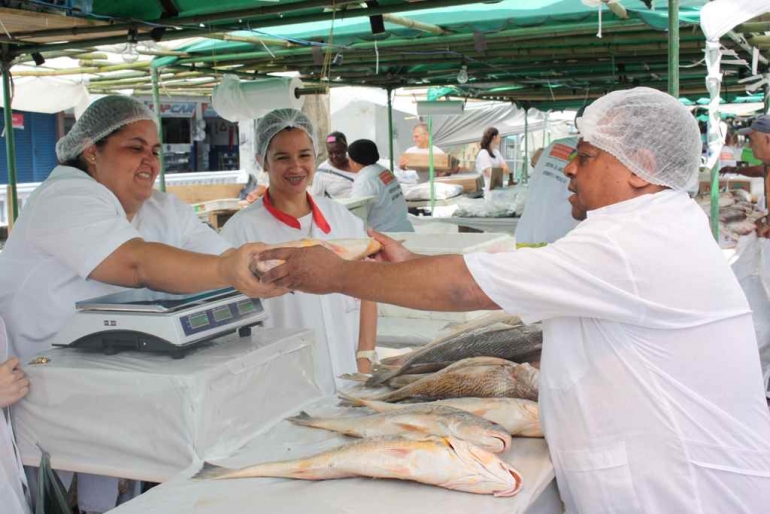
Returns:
point(96, 226)
point(345, 328)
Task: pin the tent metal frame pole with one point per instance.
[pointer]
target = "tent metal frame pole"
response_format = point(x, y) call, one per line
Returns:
point(673, 48)
point(156, 108)
point(524, 163)
point(431, 171)
point(390, 127)
point(9, 144)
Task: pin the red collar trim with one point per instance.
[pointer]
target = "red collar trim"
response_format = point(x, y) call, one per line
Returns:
point(286, 219)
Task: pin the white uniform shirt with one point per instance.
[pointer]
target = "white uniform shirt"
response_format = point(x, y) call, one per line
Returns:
point(68, 226)
point(548, 213)
point(332, 182)
point(388, 212)
point(335, 318)
point(12, 478)
point(650, 388)
point(486, 160)
point(422, 176)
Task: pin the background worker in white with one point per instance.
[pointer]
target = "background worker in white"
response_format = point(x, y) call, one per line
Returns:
point(287, 212)
point(14, 385)
point(334, 177)
point(651, 393)
point(490, 157)
point(547, 215)
point(421, 138)
point(96, 226)
point(389, 211)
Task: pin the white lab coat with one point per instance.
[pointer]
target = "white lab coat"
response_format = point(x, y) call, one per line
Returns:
point(651, 392)
point(485, 160)
point(548, 213)
point(12, 478)
point(335, 318)
point(388, 212)
point(69, 225)
point(332, 182)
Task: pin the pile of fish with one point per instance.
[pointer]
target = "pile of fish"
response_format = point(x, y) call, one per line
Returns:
point(737, 214)
point(483, 389)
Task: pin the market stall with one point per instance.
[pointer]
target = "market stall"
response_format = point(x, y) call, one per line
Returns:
point(287, 441)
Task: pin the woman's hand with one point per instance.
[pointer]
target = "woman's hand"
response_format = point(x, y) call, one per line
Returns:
point(235, 268)
point(392, 250)
point(14, 385)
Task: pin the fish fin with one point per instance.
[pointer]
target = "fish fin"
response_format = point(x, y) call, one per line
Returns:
point(412, 427)
point(211, 471)
point(303, 418)
point(351, 400)
point(382, 377)
point(398, 452)
point(355, 377)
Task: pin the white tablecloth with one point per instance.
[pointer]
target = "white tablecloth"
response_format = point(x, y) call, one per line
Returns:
point(359, 495)
point(148, 417)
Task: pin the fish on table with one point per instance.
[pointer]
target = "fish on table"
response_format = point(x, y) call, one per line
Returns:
point(518, 416)
point(348, 249)
point(446, 462)
point(416, 421)
point(479, 377)
point(519, 343)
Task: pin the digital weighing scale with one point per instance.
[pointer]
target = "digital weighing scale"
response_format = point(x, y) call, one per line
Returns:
point(145, 320)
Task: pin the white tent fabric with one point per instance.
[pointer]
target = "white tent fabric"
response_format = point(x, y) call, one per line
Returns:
point(47, 95)
point(717, 19)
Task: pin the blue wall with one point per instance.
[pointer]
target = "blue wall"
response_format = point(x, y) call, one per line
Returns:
point(35, 148)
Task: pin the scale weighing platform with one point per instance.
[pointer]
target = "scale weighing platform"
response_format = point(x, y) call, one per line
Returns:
point(145, 320)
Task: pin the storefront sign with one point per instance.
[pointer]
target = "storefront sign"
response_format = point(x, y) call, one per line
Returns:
point(175, 109)
point(18, 120)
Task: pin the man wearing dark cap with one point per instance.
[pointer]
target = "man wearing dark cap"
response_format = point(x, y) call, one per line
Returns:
point(389, 212)
point(759, 140)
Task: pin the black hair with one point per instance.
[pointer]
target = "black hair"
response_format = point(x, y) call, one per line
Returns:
point(338, 135)
point(364, 151)
point(79, 162)
point(487, 138)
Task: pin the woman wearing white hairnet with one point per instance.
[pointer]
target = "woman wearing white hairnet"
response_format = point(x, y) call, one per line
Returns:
point(96, 226)
point(345, 328)
point(651, 393)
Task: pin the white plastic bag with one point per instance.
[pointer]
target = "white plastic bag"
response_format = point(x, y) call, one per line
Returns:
point(752, 268)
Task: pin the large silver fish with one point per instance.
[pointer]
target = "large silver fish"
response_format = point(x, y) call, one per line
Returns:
point(479, 377)
point(441, 461)
point(519, 417)
point(519, 343)
point(417, 421)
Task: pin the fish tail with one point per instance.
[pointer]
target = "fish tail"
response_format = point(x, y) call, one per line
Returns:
point(303, 418)
point(378, 379)
point(211, 471)
point(350, 400)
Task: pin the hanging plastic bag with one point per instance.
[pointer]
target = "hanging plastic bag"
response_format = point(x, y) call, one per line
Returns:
point(752, 268)
point(51, 493)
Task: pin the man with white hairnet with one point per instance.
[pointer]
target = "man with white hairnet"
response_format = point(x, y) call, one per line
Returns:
point(650, 390)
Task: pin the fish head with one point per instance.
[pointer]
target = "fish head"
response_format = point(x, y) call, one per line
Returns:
point(486, 435)
point(485, 467)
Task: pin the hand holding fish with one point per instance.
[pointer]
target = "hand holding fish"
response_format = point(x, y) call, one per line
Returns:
point(235, 270)
point(314, 269)
point(392, 250)
point(13, 384)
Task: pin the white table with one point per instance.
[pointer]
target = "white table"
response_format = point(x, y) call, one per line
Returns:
point(359, 495)
point(148, 417)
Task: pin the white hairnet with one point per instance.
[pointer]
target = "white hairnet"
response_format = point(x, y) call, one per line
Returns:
point(277, 120)
point(100, 119)
point(649, 132)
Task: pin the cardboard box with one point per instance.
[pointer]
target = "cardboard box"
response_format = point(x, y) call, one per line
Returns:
point(421, 162)
point(471, 182)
